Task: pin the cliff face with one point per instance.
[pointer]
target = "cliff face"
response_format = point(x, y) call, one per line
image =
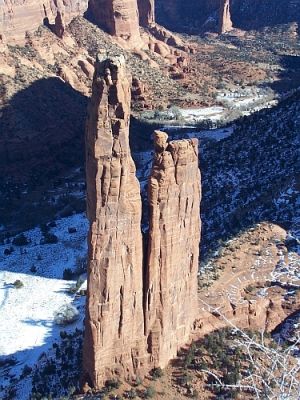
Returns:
point(136, 321)
point(17, 17)
point(209, 15)
point(119, 18)
point(114, 315)
point(171, 283)
point(146, 12)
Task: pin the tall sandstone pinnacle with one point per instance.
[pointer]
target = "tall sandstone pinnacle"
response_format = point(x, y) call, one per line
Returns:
point(225, 23)
point(114, 338)
point(138, 313)
point(173, 249)
point(119, 18)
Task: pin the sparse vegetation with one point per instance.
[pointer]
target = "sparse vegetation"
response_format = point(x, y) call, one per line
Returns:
point(18, 284)
point(20, 240)
point(67, 314)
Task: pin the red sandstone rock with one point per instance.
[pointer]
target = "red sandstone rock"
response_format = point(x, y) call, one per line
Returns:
point(114, 336)
point(171, 304)
point(87, 68)
point(19, 17)
point(59, 24)
point(118, 17)
point(225, 23)
point(3, 46)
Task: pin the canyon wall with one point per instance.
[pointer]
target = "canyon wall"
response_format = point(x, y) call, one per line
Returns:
point(173, 250)
point(17, 17)
point(138, 313)
point(114, 336)
point(119, 18)
point(146, 12)
point(207, 15)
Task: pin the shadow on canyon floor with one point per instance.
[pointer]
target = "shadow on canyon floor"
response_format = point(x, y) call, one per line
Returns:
point(42, 130)
point(42, 138)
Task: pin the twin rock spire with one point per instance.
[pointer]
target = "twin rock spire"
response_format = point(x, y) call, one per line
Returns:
point(141, 304)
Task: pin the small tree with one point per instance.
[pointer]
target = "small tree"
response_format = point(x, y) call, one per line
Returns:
point(20, 240)
point(18, 284)
point(157, 373)
point(66, 314)
point(150, 392)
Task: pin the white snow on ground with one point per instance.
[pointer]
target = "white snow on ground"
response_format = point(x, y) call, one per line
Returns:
point(26, 314)
point(213, 134)
point(200, 114)
point(27, 326)
point(49, 259)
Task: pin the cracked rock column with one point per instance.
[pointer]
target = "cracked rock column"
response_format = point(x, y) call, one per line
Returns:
point(114, 341)
point(173, 249)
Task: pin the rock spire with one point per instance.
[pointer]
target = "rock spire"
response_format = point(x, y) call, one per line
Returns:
point(173, 250)
point(114, 337)
point(225, 23)
point(136, 318)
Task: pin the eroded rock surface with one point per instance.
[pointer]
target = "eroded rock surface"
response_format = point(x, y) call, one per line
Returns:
point(171, 282)
point(136, 321)
point(17, 17)
point(114, 338)
point(119, 18)
point(225, 23)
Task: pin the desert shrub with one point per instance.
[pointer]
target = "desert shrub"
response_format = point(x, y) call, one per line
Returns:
point(150, 392)
point(81, 265)
point(49, 238)
point(131, 394)
point(26, 371)
point(112, 384)
point(68, 274)
point(157, 373)
point(33, 269)
point(75, 288)
point(20, 240)
point(66, 314)
point(184, 379)
point(18, 284)
point(8, 252)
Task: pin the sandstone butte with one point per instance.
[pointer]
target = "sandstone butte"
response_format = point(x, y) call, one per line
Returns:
point(138, 313)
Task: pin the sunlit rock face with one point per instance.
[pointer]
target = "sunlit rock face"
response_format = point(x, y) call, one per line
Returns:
point(173, 249)
point(114, 338)
point(225, 23)
point(141, 304)
point(119, 18)
point(17, 17)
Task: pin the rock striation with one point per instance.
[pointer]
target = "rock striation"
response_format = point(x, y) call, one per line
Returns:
point(225, 23)
point(136, 317)
point(18, 17)
point(119, 18)
point(173, 250)
point(114, 337)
